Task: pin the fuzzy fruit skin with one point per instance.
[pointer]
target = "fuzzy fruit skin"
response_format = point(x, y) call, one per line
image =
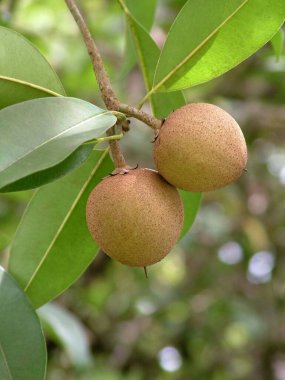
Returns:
point(136, 218)
point(200, 147)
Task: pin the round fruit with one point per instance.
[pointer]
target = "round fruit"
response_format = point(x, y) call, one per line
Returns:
point(136, 218)
point(200, 147)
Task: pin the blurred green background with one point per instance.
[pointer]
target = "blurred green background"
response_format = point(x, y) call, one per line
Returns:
point(214, 308)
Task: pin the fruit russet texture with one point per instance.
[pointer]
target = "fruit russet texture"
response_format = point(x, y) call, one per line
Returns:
point(136, 218)
point(200, 147)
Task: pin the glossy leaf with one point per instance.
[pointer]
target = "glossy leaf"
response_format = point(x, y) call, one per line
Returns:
point(191, 202)
point(162, 104)
point(43, 177)
point(277, 43)
point(53, 237)
point(24, 72)
point(144, 12)
point(22, 344)
point(39, 134)
point(65, 329)
point(211, 37)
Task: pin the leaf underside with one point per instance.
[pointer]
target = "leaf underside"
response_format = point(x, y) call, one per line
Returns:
point(39, 134)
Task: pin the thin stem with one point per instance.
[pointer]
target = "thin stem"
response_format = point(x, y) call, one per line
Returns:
point(117, 154)
point(146, 97)
point(103, 139)
point(110, 138)
point(119, 115)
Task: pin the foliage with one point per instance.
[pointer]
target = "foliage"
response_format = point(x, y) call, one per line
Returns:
point(64, 245)
point(184, 315)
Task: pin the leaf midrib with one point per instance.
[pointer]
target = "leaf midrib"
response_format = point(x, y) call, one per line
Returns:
point(29, 84)
point(131, 22)
point(65, 220)
point(191, 54)
point(5, 361)
point(53, 138)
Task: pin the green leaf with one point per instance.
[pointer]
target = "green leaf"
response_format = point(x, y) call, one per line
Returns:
point(24, 72)
point(211, 37)
point(39, 134)
point(191, 202)
point(22, 344)
point(53, 237)
point(148, 54)
point(144, 12)
point(64, 328)
point(277, 43)
point(162, 104)
point(43, 177)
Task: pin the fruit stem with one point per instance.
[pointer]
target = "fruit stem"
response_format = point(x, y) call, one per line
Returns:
point(117, 154)
point(108, 95)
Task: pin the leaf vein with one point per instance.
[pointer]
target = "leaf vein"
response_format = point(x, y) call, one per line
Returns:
point(190, 55)
point(5, 361)
point(65, 220)
point(28, 84)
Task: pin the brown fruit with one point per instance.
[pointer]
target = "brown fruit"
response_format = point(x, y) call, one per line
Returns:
point(136, 218)
point(200, 147)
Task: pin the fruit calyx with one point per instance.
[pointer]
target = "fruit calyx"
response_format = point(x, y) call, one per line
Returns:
point(122, 171)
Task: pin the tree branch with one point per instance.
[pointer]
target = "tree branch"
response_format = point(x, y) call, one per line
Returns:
point(108, 95)
point(103, 80)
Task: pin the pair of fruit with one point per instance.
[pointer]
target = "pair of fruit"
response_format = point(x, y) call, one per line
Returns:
point(137, 218)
